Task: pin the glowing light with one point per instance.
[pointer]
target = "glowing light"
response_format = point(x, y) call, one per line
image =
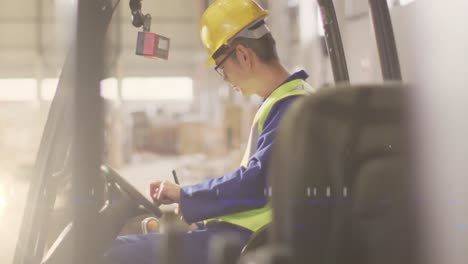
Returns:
point(18, 89)
point(109, 89)
point(405, 2)
point(48, 88)
point(162, 88)
point(320, 29)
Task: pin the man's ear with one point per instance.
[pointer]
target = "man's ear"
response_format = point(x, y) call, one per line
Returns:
point(244, 55)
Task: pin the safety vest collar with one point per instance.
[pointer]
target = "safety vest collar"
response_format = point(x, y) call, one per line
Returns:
point(285, 90)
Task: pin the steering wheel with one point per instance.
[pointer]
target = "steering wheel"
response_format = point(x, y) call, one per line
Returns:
point(114, 177)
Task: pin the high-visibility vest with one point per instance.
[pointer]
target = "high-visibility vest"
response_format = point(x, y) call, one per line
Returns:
point(257, 218)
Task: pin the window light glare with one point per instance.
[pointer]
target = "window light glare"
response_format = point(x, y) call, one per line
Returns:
point(320, 29)
point(18, 89)
point(405, 2)
point(110, 89)
point(48, 88)
point(157, 88)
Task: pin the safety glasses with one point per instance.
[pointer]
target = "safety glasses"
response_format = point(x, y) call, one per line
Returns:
point(219, 67)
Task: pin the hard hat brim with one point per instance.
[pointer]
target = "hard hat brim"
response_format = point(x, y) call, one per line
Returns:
point(210, 63)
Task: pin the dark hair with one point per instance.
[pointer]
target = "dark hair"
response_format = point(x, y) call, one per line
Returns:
point(264, 47)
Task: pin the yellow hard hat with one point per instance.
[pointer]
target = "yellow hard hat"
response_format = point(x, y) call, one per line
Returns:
point(224, 19)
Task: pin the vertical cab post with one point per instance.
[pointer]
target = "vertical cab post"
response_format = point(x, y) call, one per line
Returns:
point(333, 41)
point(385, 38)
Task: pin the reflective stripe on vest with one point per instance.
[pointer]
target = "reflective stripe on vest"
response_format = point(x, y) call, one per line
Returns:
point(257, 218)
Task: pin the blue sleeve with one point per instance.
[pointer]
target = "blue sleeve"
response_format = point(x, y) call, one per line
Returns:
point(241, 190)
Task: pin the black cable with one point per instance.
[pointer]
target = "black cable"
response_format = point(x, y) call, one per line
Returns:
point(137, 15)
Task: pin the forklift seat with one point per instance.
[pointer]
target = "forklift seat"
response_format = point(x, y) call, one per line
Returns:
point(342, 191)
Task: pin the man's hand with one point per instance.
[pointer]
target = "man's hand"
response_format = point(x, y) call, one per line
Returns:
point(178, 212)
point(165, 192)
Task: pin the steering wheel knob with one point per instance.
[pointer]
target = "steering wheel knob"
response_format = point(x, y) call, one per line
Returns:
point(150, 225)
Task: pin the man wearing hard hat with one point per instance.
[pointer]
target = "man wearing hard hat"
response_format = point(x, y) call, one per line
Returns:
point(242, 50)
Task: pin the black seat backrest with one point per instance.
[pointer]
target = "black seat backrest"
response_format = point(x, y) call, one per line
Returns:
point(340, 178)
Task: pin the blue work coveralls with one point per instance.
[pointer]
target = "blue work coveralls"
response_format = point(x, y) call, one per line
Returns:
point(241, 190)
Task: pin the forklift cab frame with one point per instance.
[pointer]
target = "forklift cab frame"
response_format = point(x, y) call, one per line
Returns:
point(71, 149)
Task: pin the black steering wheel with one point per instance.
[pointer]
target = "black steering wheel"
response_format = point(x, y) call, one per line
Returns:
point(114, 177)
point(111, 218)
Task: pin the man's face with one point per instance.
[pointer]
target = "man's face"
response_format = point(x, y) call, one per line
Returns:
point(233, 72)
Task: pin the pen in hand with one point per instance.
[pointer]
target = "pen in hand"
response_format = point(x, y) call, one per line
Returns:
point(157, 203)
point(176, 180)
point(200, 225)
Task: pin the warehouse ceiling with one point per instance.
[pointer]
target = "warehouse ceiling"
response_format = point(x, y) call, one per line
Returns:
point(35, 38)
